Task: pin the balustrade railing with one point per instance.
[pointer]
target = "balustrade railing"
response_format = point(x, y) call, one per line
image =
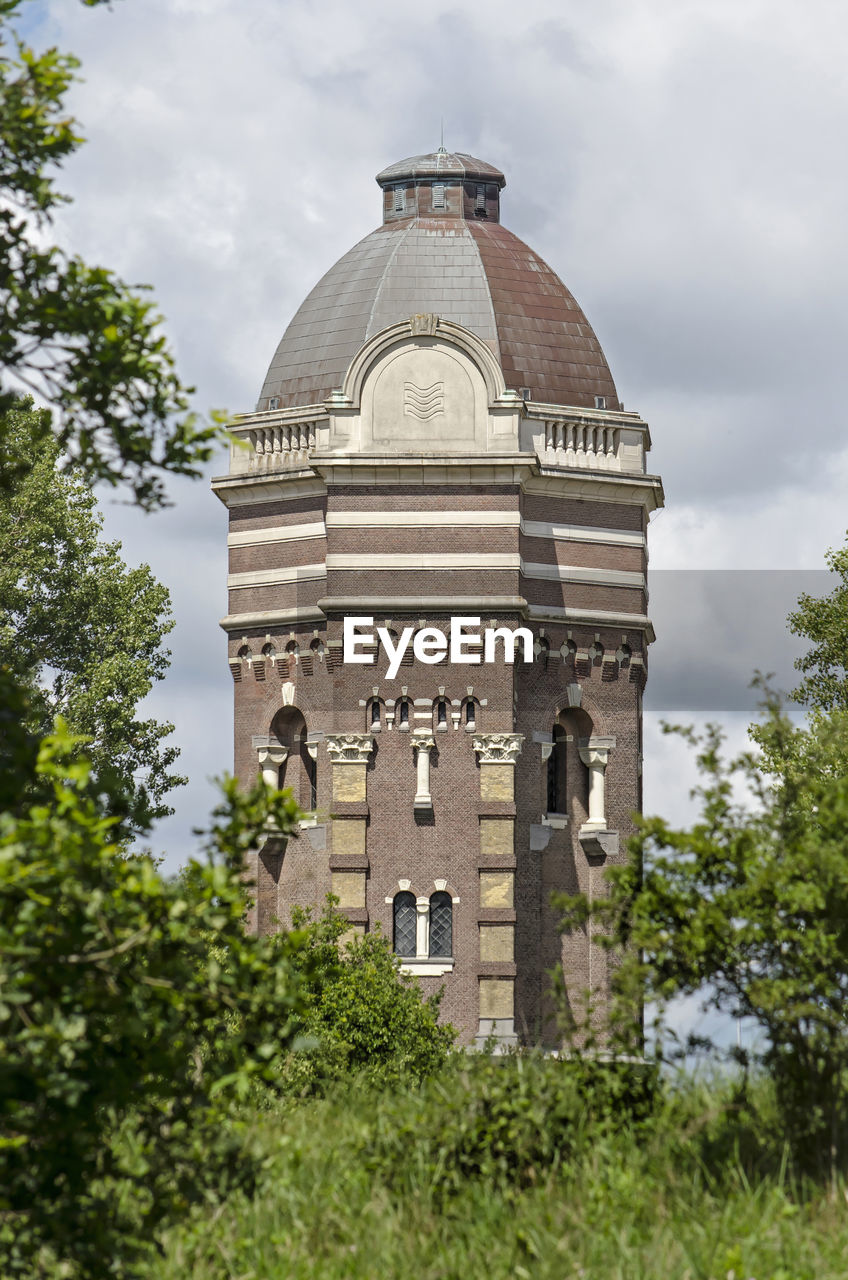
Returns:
point(277, 444)
point(581, 444)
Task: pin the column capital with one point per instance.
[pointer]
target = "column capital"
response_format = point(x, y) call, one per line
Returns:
point(269, 754)
point(349, 748)
point(424, 741)
point(594, 757)
point(497, 748)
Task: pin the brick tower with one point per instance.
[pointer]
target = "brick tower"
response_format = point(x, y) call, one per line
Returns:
point(439, 436)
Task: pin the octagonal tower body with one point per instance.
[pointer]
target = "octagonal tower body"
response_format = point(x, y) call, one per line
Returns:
point(439, 436)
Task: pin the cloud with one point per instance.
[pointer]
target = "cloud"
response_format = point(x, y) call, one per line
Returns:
point(677, 165)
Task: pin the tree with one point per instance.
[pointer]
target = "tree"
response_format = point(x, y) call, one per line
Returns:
point(123, 1040)
point(365, 1016)
point(81, 631)
point(825, 622)
point(77, 336)
point(749, 909)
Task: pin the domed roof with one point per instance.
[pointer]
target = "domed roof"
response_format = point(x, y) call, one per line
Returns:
point(442, 249)
point(441, 164)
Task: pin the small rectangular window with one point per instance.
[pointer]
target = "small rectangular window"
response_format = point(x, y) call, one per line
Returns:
point(438, 195)
point(480, 205)
point(524, 392)
point(274, 402)
point(400, 199)
point(600, 402)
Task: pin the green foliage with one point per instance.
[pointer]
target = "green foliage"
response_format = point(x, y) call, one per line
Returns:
point(749, 908)
point(367, 1018)
point(123, 1041)
point(825, 622)
point(508, 1121)
point(77, 336)
point(665, 1199)
point(81, 631)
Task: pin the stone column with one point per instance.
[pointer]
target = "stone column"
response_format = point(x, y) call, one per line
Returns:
point(595, 837)
point(594, 752)
point(422, 743)
point(497, 754)
point(422, 928)
point(349, 753)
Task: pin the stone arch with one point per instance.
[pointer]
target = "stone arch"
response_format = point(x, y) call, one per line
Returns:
point(575, 696)
point(446, 332)
point(298, 770)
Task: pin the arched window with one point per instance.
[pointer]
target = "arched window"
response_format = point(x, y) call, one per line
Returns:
point(404, 924)
point(471, 714)
point(441, 713)
point(441, 924)
point(298, 772)
point(556, 772)
point(403, 713)
point(374, 714)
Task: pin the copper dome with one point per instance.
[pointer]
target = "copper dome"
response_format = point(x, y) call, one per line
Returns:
point(441, 249)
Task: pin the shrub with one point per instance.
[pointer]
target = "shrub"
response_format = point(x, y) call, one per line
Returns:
point(508, 1121)
point(368, 1020)
point(120, 1047)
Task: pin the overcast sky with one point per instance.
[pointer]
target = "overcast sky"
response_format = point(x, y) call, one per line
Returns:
point(679, 164)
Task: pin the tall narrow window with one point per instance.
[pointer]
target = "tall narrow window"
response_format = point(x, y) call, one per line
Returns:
point(556, 772)
point(374, 718)
point(404, 924)
point(403, 713)
point(312, 775)
point(480, 202)
point(438, 195)
point(441, 714)
point(400, 199)
point(441, 925)
point(471, 714)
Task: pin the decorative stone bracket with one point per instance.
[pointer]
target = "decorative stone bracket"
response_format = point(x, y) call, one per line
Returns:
point(350, 748)
point(271, 758)
point(498, 748)
point(423, 743)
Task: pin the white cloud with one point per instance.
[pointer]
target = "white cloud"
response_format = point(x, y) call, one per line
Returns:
point(677, 164)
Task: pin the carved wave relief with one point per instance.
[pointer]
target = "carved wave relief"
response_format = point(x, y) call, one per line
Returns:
point(424, 403)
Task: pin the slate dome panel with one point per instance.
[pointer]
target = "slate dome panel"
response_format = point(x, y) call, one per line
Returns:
point(468, 269)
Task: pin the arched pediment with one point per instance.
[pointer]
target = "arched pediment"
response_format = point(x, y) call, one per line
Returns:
point(426, 386)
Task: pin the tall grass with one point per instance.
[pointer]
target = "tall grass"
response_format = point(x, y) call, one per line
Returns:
point(421, 1183)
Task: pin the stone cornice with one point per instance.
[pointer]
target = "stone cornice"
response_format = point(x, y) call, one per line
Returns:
point(248, 488)
point(435, 468)
point(271, 618)
point(606, 486)
point(385, 604)
point(497, 748)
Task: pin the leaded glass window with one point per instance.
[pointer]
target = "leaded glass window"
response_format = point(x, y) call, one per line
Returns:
point(404, 924)
point(441, 925)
